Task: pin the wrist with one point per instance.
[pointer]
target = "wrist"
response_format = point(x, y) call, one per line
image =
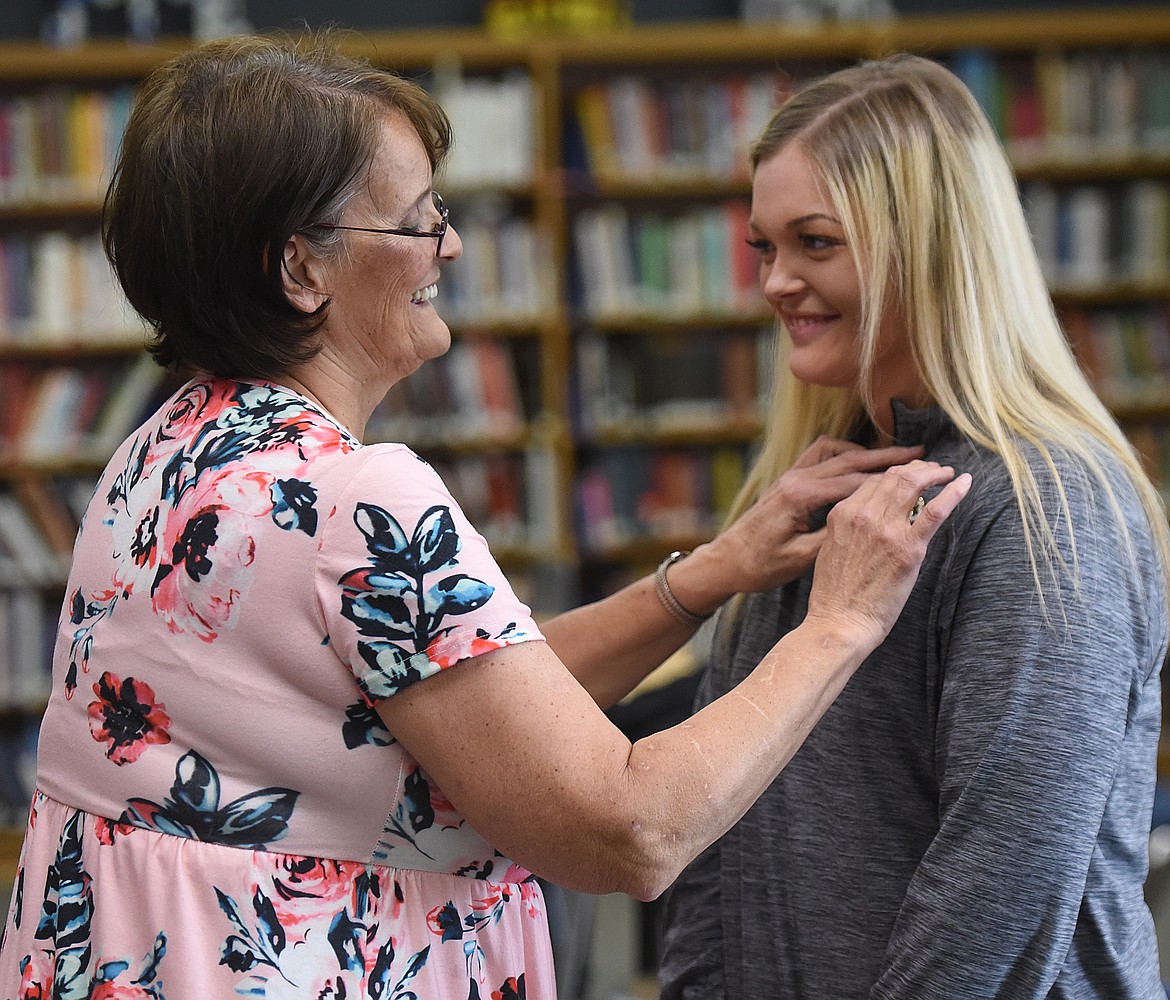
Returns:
point(691, 579)
point(842, 633)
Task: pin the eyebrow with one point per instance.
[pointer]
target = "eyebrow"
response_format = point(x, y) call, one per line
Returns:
point(813, 217)
point(803, 220)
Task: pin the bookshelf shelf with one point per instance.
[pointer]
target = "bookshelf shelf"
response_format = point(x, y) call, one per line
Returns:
point(47, 208)
point(660, 187)
point(644, 552)
point(667, 325)
point(17, 471)
point(1112, 294)
point(573, 437)
point(1132, 411)
point(49, 350)
point(1095, 167)
point(703, 432)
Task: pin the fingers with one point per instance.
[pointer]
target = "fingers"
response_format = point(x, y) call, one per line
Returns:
point(838, 474)
point(824, 448)
point(872, 459)
point(942, 506)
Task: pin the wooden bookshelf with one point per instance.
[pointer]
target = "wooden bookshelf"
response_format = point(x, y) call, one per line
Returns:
point(560, 189)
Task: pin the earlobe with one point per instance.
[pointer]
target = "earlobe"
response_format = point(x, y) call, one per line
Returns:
point(301, 276)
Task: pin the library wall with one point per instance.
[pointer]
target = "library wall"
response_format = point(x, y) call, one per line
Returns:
point(24, 19)
point(611, 351)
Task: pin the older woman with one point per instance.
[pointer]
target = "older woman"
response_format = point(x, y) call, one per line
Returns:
point(303, 740)
point(971, 818)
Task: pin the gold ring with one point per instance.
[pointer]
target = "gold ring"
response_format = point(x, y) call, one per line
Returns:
point(919, 504)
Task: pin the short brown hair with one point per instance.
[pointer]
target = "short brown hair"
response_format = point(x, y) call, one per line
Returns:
point(231, 149)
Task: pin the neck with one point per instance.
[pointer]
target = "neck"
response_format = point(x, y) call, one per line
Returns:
point(337, 390)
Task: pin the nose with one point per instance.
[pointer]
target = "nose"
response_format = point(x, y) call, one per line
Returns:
point(452, 248)
point(778, 280)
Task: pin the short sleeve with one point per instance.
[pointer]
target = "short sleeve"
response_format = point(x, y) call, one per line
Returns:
point(407, 586)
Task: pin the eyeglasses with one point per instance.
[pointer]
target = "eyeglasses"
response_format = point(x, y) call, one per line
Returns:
point(438, 232)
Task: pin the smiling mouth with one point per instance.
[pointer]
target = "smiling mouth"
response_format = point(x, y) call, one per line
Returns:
point(796, 324)
point(424, 294)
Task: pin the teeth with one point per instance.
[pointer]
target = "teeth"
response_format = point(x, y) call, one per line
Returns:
point(425, 294)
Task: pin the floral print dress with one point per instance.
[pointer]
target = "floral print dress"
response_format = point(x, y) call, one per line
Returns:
point(220, 810)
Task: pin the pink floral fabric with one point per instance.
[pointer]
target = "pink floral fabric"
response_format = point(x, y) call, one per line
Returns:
point(220, 810)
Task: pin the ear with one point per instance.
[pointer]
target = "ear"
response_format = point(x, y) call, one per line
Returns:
point(302, 275)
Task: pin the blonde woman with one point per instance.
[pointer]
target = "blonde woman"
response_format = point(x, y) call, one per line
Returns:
point(970, 817)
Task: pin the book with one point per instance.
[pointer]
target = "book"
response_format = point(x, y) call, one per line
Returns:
point(36, 562)
point(1084, 249)
point(499, 393)
point(135, 391)
point(50, 515)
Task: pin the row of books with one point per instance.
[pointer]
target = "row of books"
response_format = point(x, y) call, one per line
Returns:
point(53, 414)
point(39, 519)
point(59, 288)
point(672, 382)
point(507, 495)
point(60, 143)
point(1066, 105)
point(1092, 235)
point(504, 275)
point(1151, 440)
point(683, 129)
point(481, 388)
point(626, 494)
point(691, 262)
point(1125, 352)
point(18, 767)
point(28, 620)
point(494, 120)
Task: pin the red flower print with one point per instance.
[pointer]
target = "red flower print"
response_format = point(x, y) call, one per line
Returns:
point(195, 404)
point(443, 921)
point(207, 550)
point(126, 717)
point(530, 894)
point(303, 888)
point(464, 652)
point(107, 830)
point(36, 978)
point(111, 990)
point(513, 989)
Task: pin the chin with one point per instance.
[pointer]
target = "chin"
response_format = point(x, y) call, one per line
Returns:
point(828, 376)
point(434, 340)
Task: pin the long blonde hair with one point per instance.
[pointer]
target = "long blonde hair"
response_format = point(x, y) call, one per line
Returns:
point(930, 208)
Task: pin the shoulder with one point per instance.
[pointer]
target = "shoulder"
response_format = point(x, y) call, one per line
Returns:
point(1080, 531)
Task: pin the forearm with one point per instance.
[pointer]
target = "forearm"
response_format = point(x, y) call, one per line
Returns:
point(686, 786)
point(609, 646)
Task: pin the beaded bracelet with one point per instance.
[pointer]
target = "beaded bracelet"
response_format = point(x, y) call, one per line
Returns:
point(666, 595)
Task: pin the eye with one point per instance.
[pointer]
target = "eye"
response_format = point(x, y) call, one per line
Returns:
point(815, 243)
point(762, 247)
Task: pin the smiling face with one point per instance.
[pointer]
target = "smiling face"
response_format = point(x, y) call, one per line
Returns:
point(382, 285)
point(809, 275)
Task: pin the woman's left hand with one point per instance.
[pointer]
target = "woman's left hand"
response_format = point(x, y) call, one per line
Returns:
point(771, 544)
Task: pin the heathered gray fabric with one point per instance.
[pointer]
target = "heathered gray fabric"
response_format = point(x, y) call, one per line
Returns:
point(971, 817)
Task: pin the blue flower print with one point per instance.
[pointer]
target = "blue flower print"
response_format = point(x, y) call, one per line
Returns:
point(193, 810)
point(292, 506)
point(264, 945)
point(399, 614)
point(66, 924)
point(364, 726)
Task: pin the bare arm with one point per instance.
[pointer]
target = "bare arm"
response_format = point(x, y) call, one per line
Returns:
point(539, 771)
point(610, 645)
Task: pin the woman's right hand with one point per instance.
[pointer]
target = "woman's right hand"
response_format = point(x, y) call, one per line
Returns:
point(873, 548)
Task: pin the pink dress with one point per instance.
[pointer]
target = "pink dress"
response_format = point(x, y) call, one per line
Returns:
point(219, 809)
